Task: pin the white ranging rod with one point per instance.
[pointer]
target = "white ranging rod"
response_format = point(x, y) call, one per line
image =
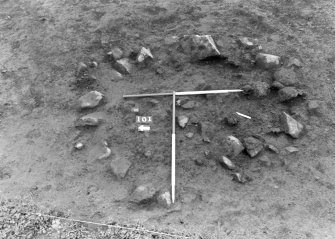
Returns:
point(173, 162)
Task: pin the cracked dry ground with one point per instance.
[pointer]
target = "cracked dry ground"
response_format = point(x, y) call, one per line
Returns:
point(41, 44)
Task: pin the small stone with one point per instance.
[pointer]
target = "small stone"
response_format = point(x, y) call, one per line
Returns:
point(199, 47)
point(267, 61)
point(152, 102)
point(82, 69)
point(190, 105)
point(253, 146)
point(275, 130)
point(315, 107)
point(189, 135)
point(272, 148)
point(241, 178)
point(143, 194)
point(171, 40)
point(265, 161)
point(164, 199)
point(93, 119)
point(208, 131)
point(199, 162)
point(286, 76)
point(227, 163)
point(289, 93)
point(79, 146)
point(183, 120)
point(105, 154)
point(236, 145)
point(90, 100)
point(144, 55)
point(260, 89)
point(294, 62)
point(120, 166)
point(123, 66)
point(277, 85)
point(115, 54)
point(291, 149)
point(247, 89)
point(114, 75)
point(291, 126)
point(232, 119)
point(248, 42)
point(93, 64)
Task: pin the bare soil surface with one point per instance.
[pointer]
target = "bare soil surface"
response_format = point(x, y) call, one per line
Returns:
point(41, 44)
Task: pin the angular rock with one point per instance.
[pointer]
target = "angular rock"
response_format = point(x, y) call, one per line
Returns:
point(248, 42)
point(90, 100)
point(123, 66)
point(183, 120)
point(294, 62)
point(286, 76)
point(190, 105)
point(227, 163)
point(240, 177)
point(272, 148)
point(143, 194)
point(120, 166)
point(289, 93)
point(99, 151)
point(291, 149)
point(199, 47)
point(232, 119)
point(144, 55)
point(164, 199)
point(207, 130)
point(253, 146)
point(236, 145)
point(267, 61)
point(291, 126)
point(82, 69)
point(260, 89)
point(115, 54)
point(93, 119)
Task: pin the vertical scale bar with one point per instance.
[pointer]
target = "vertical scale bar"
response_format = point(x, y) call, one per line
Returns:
point(173, 164)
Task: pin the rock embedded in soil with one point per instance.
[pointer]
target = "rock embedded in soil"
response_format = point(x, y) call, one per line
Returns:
point(232, 119)
point(267, 61)
point(189, 105)
point(236, 145)
point(291, 126)
point(291, 149)
point(208, 131)
point(289, 93)
point(164, 199)
point(272, 148)
point(248, 42)
point(189, 135)
point(81, 69)
point(183, 120)
point(315, 107)
point(227, 163)
point(260, 89)
point(144, 55)
point(240, 177)
point(116, 54)
point(277, 85)
point(253, 146)
point(123, 66)
point(294, 62)
point(143, 194)
point(93, 119)
point(286, 76)
point(120, 166)
point(90, 100)
point(265, 161)
point(199, 47)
